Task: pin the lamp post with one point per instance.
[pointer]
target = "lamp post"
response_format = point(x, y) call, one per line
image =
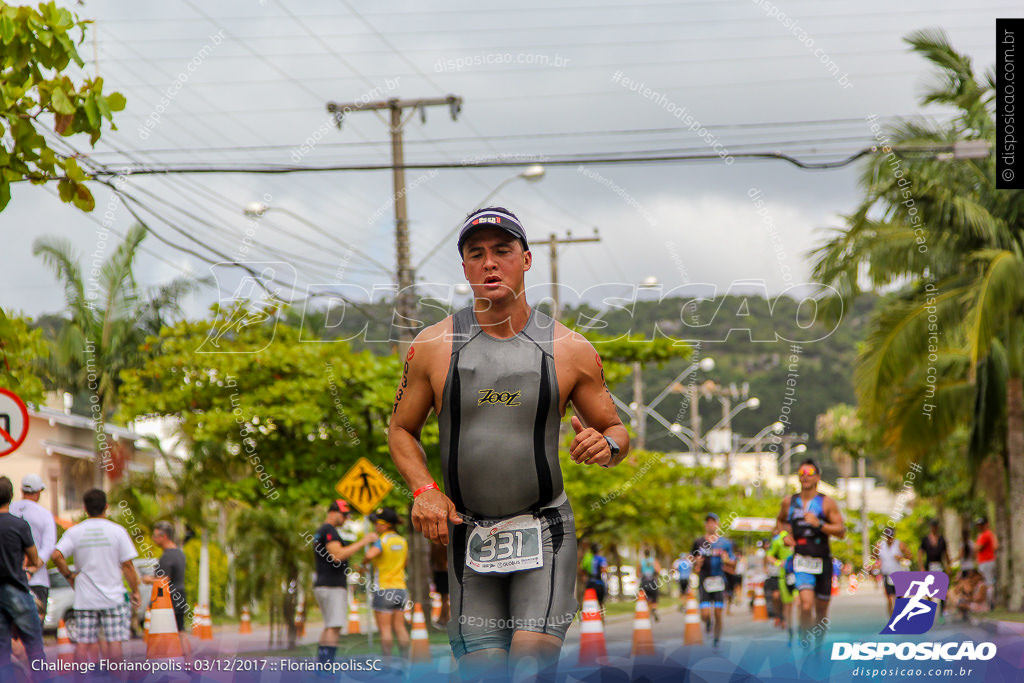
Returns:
point(530, 174)
point(641, 411)
point(258, 209)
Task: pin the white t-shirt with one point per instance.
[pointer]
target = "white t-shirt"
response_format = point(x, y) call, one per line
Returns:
point(99, 547)
point(44, 533)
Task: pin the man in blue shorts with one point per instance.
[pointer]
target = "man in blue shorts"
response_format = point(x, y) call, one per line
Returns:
point(500, 374)
point(810, 518)
point(713, 554)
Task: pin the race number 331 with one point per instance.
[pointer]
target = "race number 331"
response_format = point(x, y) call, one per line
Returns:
point(507, 546)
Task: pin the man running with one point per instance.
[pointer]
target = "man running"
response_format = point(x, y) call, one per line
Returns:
point(777, 585)
point(499, 375)
point(713, 554)
point(890, 553)
point(810, 518)
point(595, 568)
point(649, 570)
point(683, 567)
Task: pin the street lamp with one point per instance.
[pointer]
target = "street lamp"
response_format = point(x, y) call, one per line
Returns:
point(258, 209)
point(530, 174)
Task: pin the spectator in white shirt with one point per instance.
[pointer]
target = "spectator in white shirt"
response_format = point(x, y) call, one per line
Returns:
point(103, 554)
point(44, 533)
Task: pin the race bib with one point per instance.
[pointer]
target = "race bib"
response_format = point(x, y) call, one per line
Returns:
point(935, 566)
point(714, 584)
point(509, 545)
point(806, 565)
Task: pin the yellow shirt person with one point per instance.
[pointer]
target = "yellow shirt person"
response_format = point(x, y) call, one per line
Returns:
point(388, 556)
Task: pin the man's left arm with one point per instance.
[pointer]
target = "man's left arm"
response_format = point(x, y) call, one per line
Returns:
point(593, 403)
point(833, 524)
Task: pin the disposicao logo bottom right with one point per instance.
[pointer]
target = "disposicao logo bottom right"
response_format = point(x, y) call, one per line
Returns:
point(913, 613)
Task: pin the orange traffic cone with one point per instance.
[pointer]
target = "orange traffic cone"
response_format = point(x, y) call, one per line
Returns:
point(835, 585)
point(163, 642)
point(643, 637)
point(65, 650)
point(592, 643)
point(419, 651)
point(435, 607)
point(245, 626)
point(300, 620)
point(206, 631)
point(197, 620)
point(760, 606)
point(353, 618)
point(692, 632)
point(145, 627)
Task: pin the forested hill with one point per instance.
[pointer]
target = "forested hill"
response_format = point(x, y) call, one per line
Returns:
point(750, 339)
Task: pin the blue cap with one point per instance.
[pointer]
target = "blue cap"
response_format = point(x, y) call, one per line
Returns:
point(711, 515)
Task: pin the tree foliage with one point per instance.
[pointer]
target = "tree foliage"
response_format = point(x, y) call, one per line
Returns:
point(38, 47)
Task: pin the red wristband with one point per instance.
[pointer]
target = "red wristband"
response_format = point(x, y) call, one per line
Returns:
point(424, 489)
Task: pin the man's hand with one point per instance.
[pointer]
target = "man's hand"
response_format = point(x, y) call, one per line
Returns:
point(589, 446)
point(136, 599)
point(431, 512)
point(812, 519)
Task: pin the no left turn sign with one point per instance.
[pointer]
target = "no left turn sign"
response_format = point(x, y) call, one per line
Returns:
point(13, 422)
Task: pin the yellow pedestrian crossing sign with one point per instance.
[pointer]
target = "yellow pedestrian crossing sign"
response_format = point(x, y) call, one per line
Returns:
point(364, 486)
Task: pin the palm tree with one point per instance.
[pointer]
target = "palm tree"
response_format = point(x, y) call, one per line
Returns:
point(953, 246)
point(110, 317)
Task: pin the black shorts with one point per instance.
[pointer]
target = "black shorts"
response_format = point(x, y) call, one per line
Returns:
point(650, 589)
point(179, 618)
point(771, 584)
point(441, 582)
point(599, 588)
point(890, 587)
point(684, 585)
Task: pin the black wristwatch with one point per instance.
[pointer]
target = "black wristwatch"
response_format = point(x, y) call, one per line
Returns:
point(612, 445)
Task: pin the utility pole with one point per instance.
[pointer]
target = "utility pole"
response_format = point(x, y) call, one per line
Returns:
point(641, 410)
point(865, 540)
point(553, 241)
point(404, 301)
point(405, 305)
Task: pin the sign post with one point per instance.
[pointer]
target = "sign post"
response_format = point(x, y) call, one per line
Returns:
point(13, 422)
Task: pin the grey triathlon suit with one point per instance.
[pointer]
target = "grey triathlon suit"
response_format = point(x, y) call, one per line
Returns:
point(499, 453)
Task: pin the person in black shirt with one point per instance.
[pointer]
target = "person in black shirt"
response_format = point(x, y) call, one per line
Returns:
point(331, 553)
point(172, 566)
point(933, 555)
point(17, 604)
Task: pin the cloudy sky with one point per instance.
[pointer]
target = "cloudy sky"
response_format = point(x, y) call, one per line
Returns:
point(245, 83)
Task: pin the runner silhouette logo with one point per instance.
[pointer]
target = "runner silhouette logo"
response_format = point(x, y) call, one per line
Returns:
point(914, 611)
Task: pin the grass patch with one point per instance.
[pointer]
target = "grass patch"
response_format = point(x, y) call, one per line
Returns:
point(1003, 615)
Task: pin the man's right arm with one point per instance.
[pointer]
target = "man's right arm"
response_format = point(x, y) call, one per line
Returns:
point(431, 510)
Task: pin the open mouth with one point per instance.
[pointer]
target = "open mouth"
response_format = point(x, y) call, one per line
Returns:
point(492, 280)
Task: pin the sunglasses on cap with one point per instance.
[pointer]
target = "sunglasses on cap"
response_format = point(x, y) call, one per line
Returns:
point(810, 470)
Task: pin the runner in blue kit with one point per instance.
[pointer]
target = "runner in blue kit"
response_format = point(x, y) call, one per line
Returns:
point(810, 518)
point(713, 554)
point(499, 375)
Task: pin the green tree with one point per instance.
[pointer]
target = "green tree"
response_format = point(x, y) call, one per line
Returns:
point(110, 316)
point(952, 243)
point(38, 46)
point(20, 347)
